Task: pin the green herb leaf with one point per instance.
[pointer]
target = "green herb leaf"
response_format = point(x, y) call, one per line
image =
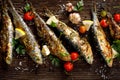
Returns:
point(27, 7)
point(79, 6)
point(53, 24)
point(19, 48)
point(55, 61)
point(116, 46)
point(63, 54)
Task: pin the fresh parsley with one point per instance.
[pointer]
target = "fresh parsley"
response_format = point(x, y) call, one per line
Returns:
point(53, 24)
point(79, 6)
point(116, 46)
point(27, 7)
point(54, 60)
point(19, 48)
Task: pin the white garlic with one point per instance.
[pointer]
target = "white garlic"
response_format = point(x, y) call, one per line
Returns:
point(45, 50)
point(69, 7)
point(75, 18)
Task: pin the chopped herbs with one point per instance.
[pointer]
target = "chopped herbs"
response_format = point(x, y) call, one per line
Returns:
point(20, 49)
point(54, 60)
point(27, 7)
point(53, 24)
point(79, 6)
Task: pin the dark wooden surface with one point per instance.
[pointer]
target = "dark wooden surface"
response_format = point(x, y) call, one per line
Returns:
point(23, 68)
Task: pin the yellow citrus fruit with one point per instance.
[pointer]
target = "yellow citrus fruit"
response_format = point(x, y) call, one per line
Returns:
point(19, 33)
point(87, 24)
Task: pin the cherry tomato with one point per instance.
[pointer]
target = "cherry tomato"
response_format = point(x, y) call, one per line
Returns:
point(82, 29)
point(28, 16)
point(74, 55)
point(104, 23)
point(68, 66)
point(117, 17)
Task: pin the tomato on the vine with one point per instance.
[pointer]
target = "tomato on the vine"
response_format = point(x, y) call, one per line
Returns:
point(28, 16)
point(104, 23)
point(68, 66)
point(74, 55)
point(117, 17)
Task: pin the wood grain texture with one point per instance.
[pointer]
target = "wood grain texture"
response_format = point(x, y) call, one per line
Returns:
point(23, 68)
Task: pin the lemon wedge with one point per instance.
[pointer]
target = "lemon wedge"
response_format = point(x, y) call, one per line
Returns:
point(87, 24)
point(52, 19)
point(19, 33)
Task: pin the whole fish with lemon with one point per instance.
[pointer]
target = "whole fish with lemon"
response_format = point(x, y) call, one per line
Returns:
point(6, 35)
point(80, 44)
point(53, 43)
point(28, 39)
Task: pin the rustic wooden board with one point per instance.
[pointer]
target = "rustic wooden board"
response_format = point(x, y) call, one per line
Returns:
point(23, 68)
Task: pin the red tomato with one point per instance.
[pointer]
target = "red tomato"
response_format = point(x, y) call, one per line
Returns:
point(117, 17)
point(74, 55)
point(82, 29)
point(104, 23)
point(28, 16)
point(68, 66)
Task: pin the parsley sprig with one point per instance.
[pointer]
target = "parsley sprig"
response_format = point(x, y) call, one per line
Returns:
point(27, 7)
point(54, 60)
point(79, 6)
point(19, 48)
point(116, 46)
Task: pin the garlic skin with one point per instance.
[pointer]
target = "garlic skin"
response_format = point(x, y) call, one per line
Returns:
point(75, 18)
point(69, 7)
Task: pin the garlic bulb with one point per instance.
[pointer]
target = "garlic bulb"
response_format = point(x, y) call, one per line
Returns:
point(75, 18)
point(69, 7)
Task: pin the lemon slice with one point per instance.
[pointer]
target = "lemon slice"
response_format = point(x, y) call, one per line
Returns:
point(52, 19)
point(87, 24)
point(19, 33)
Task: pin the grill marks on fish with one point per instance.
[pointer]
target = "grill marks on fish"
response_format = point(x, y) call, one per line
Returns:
point(54, 44)
point(102, 42)
point(28, 40)
point(6, 35)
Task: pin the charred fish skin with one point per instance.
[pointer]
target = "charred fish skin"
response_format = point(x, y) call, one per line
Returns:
point(54, 44)
point(81, 44)
point(102, 43)
point(7, 35)
point(28, 40)
point(113, 26)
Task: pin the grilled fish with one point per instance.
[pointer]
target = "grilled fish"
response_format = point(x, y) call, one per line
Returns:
point(54, 44)
point(114, 27)
point(100, 37)
point(28, 40)
point(80, 44)
point(6, 35)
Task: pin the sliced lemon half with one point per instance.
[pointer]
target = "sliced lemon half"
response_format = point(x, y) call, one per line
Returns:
point(87, 24)
point(19, 33)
